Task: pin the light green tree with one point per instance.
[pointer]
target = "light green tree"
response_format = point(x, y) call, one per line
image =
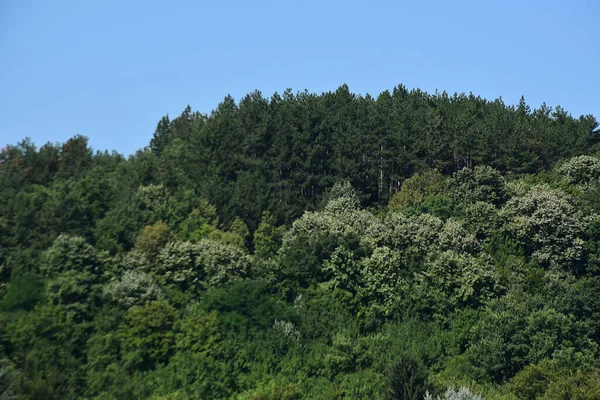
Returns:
point(581, 171)
point(382, 276)
point(131, 289)
point(146, 335)
point(453, 281)
point(417, 188)
point(72, 253)
point(548, 222)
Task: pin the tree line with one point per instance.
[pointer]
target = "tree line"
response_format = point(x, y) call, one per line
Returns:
point(308, 246)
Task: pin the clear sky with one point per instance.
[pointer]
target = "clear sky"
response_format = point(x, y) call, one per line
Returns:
point(110, 69)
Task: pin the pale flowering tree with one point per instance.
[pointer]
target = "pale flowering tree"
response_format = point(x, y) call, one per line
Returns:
point(481, 218)
point(177, 265)
point(287, 330)
point(461, 393)
point(548, 221)
point(133, 288)
point(581, 171)
point(322, 245)
point(342, 269)
point(202, 265)
point(381, 276)
point(420, 235)
point(451, 281)
point(222, 263)
point(454, 236)
point(415, 235)
point(341, 215)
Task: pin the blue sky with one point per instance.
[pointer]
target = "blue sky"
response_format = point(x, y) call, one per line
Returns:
point(110, 69)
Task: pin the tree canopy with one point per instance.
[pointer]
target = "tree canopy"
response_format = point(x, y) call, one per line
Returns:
point(318, 246)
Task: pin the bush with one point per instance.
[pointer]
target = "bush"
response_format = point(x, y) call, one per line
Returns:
point(582, 386)
point(408, 379)
point(532, 381)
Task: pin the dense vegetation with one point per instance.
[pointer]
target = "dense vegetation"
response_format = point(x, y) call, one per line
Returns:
point(308, 246)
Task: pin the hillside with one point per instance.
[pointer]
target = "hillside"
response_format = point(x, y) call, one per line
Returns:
point(308, 246)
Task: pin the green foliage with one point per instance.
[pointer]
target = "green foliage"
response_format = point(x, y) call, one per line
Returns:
point(133, 288)
point(272, 391)
point(308, 246)
point(200, 222)
point(23, 293)
point(153, 238)
point(72, 253)
point(8, 379)
point(418, 188)
point(239, 234)
point(439, 206)
point(245, 305)
point(581, 171)
point(323, 311)
point(187, 376)
point(483, 183)
point(146, 335)
point(582, 386)
point(74, 290)
point(548, 222)
point(105, 373)
point(154, 199)
point(408, 379)
point(532, 382)
point(119, 229)
point(344, 355)
point(515, 335)
point(199, 332)
point(592, 247)
point(46, 347)
point(342, 269)
point(454, 281)
point(267, 237)
point(365, 383)
point(162, 135)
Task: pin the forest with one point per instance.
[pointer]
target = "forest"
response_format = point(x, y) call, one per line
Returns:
point(308, 246)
